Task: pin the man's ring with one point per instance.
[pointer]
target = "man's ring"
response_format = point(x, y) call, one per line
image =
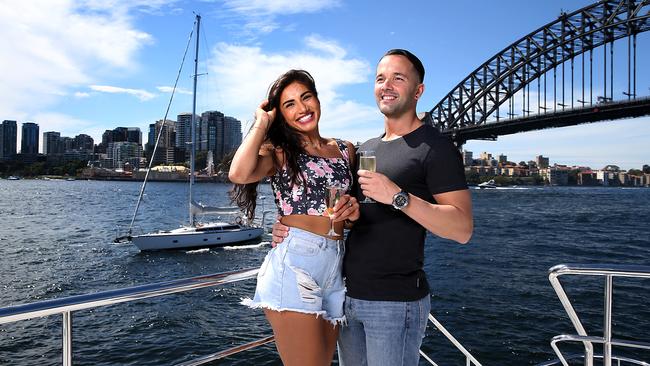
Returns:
point(350, 204)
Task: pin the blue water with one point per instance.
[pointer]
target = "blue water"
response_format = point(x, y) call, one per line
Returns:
point(492, 294)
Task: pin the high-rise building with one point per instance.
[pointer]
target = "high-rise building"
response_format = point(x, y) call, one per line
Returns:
point(503, 158)
point(232, 135)
point(8, 139)
point(166, 145)
point(119, 134)
point(468, 158)
point(541, 161)
point(29, 139)
point(122, 152)
point(211, 132)
point(52, 143)
point(184, 132)
point(133, 134)
point(84, 143)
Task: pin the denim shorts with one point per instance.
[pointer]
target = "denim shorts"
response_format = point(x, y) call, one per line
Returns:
point(302, 274)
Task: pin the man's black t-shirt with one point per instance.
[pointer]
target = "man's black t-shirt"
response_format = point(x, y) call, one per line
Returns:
point(385, 248)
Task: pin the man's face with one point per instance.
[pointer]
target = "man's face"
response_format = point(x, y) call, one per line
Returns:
point(397, 86)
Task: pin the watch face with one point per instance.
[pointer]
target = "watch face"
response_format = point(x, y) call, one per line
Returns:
point(401, 200)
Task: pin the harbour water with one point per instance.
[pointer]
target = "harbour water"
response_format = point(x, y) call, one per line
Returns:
point(492, 294)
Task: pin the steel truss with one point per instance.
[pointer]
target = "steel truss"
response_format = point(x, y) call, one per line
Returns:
point(480, 94)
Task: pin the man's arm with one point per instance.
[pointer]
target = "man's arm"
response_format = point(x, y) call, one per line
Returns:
point(450, 218)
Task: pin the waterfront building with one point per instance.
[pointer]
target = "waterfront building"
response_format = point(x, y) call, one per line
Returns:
point(83, 142)
point(556, 175)
point(232, 137)
point(587, 178)
point(184, 132)
point(29, 139)
point(52, 143)
point(119, 134)
point(8, 139)
point(167, 143)
point(468, 159)
point(541, 161)
point(122, 152)
point(211, 128)
point(219, 133)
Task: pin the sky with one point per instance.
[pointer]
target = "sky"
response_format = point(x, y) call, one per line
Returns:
point(86, 66)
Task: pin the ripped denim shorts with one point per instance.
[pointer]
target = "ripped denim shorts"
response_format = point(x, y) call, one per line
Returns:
point(303, 274)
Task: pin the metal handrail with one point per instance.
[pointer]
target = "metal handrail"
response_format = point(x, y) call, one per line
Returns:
point(67, 305)
point(469, 359)
point(609, 272)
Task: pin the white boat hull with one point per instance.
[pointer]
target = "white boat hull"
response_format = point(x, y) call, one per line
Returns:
point(188, 237)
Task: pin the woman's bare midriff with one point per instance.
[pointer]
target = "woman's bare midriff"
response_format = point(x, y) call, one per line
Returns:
point(318, 225)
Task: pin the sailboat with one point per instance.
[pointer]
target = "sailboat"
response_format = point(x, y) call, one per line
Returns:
point(196, 235)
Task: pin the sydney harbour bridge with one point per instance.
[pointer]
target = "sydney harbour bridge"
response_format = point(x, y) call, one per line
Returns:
point(561, 74)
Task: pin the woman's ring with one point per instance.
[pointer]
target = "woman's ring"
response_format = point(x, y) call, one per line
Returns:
point(350, 204)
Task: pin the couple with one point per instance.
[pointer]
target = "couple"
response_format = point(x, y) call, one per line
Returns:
point(379, 314)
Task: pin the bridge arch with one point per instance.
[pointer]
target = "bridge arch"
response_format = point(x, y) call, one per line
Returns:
point(480, 95)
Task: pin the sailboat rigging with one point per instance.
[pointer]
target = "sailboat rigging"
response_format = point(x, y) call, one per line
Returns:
point(195, 234)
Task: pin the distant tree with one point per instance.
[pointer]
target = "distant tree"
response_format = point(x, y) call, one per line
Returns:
point(646, 168)
point(502, 180)
point(201, 160)
point(472, 177)
point(573, 177)
point(523, 164)
point(635, 172)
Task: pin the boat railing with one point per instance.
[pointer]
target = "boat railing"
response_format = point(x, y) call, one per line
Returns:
point(67, 305)
point(608, 272)
point(469, 359)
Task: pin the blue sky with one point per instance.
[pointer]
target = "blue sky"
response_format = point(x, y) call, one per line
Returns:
point(87, 66)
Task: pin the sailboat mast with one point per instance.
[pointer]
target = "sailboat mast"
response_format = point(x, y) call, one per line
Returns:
point(193, 140)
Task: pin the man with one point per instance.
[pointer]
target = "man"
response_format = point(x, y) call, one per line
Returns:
point(419, 185)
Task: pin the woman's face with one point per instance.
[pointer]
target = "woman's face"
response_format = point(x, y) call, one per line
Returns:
point(300, 107)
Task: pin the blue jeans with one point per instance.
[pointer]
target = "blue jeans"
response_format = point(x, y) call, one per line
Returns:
point(383, 333)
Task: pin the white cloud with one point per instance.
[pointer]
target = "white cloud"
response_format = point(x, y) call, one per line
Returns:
point(259, 16)
point(58, 45)
point(266, 7)
point(243, 75)
point(81, 95)
point(143, 95)
point(168, 89)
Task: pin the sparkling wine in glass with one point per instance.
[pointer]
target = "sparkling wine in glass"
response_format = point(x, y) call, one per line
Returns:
point(333, 195)
point(367, 161)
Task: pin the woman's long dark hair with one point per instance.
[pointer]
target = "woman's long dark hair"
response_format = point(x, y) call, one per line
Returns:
point(280, 136)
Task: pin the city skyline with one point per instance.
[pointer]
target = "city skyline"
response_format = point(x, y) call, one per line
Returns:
point(82, 67)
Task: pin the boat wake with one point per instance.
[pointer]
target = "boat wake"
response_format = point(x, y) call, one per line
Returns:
point(252, 246)
point(198, 251)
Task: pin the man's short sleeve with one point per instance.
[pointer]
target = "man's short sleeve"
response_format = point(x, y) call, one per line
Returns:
point(444, 164)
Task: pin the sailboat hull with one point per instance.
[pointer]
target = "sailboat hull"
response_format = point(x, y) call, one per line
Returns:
point(207, 235)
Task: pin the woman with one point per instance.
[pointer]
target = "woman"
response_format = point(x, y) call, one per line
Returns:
point(299, 285)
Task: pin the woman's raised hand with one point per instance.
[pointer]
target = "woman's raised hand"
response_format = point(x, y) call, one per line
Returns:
point(263, 118)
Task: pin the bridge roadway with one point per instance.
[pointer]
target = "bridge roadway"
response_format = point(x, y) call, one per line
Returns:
point(564, 117)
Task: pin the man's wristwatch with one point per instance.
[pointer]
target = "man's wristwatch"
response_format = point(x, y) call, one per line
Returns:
point(400, 200)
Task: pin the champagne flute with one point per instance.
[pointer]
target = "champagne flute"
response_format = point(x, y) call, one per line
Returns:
point(333, 195)
point(367, 161)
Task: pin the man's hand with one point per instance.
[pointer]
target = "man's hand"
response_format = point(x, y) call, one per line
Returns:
point(279, 233)
point(377, 186)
